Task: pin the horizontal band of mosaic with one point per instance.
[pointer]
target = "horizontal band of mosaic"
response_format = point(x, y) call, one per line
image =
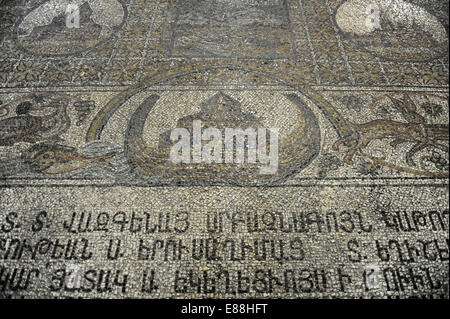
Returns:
point(117, 179)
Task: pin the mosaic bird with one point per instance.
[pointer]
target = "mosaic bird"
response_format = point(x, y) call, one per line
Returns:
point(21, 128)
point(25, 127)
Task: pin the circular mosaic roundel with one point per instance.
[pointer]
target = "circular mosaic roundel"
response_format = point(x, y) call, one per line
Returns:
point(62, 28)
point(392, 30)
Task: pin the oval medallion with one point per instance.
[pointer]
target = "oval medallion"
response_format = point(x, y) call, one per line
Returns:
point(62, 28)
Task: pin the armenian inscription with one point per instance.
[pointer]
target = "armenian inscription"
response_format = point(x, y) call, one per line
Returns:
point(243, 251)
point(225, 149)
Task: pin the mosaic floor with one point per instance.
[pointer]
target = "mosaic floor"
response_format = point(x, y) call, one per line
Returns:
point(92, 204)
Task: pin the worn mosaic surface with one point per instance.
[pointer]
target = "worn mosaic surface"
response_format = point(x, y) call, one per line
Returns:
point(91, 205)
